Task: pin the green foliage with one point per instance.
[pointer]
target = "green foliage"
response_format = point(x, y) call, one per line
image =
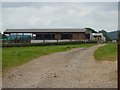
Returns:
point(105, 34)
point(113, 35)
point(107, 52)
point(0, 35)
point(92, 30)
point(18, 55)
point(4, 36)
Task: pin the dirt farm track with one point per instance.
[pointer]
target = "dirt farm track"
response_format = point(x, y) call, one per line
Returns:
point(75, 68)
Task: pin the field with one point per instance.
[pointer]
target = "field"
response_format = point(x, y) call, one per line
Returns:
point(107, 52)
point(18, 55)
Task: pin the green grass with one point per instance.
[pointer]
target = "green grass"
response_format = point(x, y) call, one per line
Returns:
point(18, 55)
point(107, 52)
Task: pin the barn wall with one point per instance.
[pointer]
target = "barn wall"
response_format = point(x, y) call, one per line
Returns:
point(78, 36)
point(57, 36)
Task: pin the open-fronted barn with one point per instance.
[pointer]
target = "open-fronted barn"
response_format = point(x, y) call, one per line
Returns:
point(98, 37)
point(38, 35)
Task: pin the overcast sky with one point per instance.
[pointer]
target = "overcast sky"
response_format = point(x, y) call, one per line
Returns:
point(99, 15)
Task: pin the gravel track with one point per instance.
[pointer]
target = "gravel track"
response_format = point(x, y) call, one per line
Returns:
point(75, 68)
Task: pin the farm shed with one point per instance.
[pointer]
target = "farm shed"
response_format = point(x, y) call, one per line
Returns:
point(42, 35)
point(98, 37)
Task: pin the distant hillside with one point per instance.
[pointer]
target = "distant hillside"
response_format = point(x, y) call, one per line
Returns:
point(105, 34)
point(110, 35)
point(113, 35)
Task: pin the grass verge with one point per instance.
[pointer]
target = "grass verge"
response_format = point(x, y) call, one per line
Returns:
point(107, 52)
point(18, 55)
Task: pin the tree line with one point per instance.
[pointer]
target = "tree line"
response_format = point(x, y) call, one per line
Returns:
point(105, 34)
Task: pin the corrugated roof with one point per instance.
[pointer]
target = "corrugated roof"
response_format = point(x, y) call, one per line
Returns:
point(97, 33)
point(43, 30)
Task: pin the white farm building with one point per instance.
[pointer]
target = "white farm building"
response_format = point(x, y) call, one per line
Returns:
point(98, 37)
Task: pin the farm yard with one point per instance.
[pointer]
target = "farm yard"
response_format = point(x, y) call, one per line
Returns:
point(59, 45)
point(73, 66)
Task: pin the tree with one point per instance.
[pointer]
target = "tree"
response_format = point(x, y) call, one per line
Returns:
point(92, 30)
point(0, 35)
point(105, 34)
point(4, 36)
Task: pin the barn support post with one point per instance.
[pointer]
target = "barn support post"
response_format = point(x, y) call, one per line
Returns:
point(43, 38)
point(25, 39)
point(57, 39)
point(22, 37)
point(5, 41)
point(71, 38)
point(10, 38)
point(31, 38)
point(16, 37)
point(3, 38)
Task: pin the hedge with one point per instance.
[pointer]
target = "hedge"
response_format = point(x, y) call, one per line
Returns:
point(45, 44)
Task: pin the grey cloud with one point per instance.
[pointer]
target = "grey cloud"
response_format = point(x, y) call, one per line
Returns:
point(19, 4)
point(27, 4)
point(60, 15)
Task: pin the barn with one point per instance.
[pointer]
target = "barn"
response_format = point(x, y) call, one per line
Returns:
point(44, 35)
point(99, 37)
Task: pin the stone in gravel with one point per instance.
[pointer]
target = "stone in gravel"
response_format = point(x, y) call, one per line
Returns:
point(11, 76)
point(20, 75)
point(97, 86)
point(55, 75)
point(50, 73)
point(66, 65)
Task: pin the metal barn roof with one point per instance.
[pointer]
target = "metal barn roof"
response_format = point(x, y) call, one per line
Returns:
point(97, 34)
point(43, 30)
